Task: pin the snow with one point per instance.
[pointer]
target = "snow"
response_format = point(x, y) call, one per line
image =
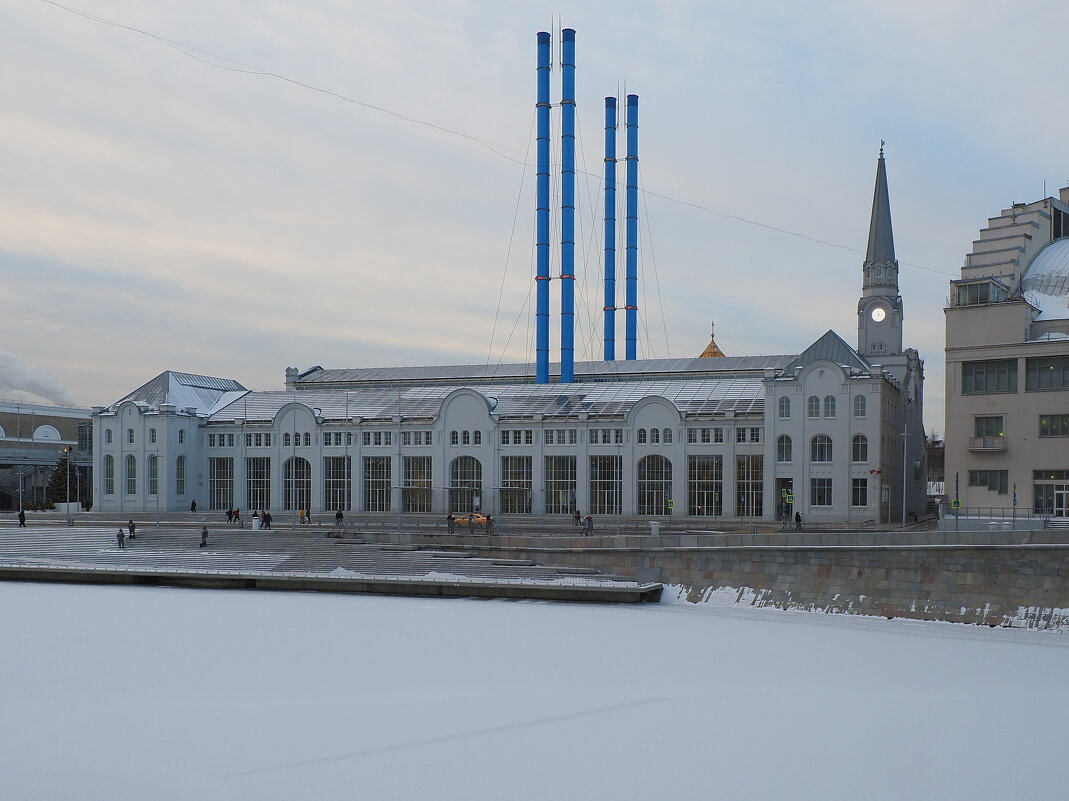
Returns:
point(155, 693)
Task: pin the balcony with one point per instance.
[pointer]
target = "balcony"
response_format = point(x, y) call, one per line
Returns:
point(993, 444)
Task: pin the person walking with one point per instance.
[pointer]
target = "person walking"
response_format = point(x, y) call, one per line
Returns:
point(121, 537)
point(237, 518)
point(451, 523)
point(193, 506)
point(489, 524)
point(798, 521)
point(22, 517)
point(589, 526)
point(131, 526)
point(267, 515)
point(229, 516)
point(339, 520)
point(300, 516)
point(577, 518)
point(203, 537)
point(471, 522)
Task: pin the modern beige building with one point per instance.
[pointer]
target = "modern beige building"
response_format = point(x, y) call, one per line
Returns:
point(1007, 366)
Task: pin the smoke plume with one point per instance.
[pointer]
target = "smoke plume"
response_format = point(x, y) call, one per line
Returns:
point(32, 380)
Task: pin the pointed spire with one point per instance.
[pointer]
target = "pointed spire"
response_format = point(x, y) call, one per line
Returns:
point(881, 247)
point(711, 350)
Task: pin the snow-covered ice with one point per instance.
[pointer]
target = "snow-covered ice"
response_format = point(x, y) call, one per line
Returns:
point(137, 693)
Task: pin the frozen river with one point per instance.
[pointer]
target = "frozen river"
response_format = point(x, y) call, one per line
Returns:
point(123, 693)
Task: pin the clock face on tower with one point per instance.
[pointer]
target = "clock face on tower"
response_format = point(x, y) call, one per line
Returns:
point(878, 314)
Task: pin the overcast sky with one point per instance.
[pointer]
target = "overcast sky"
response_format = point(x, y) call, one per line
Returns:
point(160, 213)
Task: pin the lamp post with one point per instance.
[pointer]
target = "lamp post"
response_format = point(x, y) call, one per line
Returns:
point(67, 457)
point(905, 462)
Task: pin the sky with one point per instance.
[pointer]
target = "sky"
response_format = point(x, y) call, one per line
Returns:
point(168, 205)
point(133, 693)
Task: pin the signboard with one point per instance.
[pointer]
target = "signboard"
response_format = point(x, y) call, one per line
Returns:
point(956, 504)
point(671, 504)
point(790, 499)
point(885, 493)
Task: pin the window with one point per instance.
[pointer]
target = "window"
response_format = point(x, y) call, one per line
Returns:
point(642, 436)
point(296, 483)
point(718, 435)
point(985, 377)
point(180, 474)
point(1054, 425)
point(109, 475)
point(989, 427)
point(337, 492)
point(221, 483)
point(1046, 373)
point(516, 484)
point(406, 438)
point(820, 492)
point(655, 436)
point(181, 436)
point(784, 449)
point(859, 405)
point(416, 489)
point(740, 434)
point(997, 480)
point(606, 485)
point(286, 440)
point(692, 436)
point(784, 408)
point(465, 438)
point(820, 448)
point(859, 492)
point(258, 482)
point(153, 475)
point(654, 485)
point(813, 407)
point(829, 406)
point(749, 486)
point(454, 438)
point(476, 438)
point(130, 436)
point(107, 436)
point(705, 486)
point(131, 475)
point(666, 436)
point(973, 294)
point(560, 485)
point(465, 484)
point(307, 441)
point(211, 440)
point(152, 436)
point(859, 450)
point(755, 435)
point(248, 440)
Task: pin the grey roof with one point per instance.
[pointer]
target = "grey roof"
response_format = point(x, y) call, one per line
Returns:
point(524, 372)
point(598, 399)
point(832, 348)
point(1048, 274)
point(881, 247)
point(185, 390)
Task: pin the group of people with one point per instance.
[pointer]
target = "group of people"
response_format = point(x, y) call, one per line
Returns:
point(586, 523)
point(121, 535)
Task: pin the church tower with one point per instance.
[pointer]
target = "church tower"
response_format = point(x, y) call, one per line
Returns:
point(879, 311)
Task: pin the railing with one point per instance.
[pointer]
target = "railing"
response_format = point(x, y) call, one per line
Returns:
point(987, 443)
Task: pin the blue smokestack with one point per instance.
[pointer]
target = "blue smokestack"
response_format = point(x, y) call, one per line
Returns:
point(542, 215)
point(610, 229)
point(567, 211)
point(631, 330)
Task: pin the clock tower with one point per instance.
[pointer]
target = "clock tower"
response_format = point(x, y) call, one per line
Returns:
point(879, 311)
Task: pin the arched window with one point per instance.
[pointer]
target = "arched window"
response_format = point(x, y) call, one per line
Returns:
point(296, 483)
point(454, 438)
point(152, 436)
point(813, 406)
point(131, 475)
point(180, 474)
point(109, 475)
point(655, 436)
point(465, 438)
point(784, 407)
point(642, 436)
point(859, 405)
point(784, 448)
point(829, 406)
point(107, 436)
point(820, 448)
point(153, 474)
point(465, 484)
point(181, 435)
point(47, 432)
point(477, 437)
point(654, 485)
point(285, 439)
point(130, 436)
point(666, 436)
point(307, 442)
point(859, 449)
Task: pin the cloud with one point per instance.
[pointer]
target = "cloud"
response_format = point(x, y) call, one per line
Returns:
point(22, 378)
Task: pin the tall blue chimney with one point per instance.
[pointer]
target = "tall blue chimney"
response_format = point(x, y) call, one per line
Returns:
point(567, 211)
point(542, 215)
point(631, 330)
point(610, 229)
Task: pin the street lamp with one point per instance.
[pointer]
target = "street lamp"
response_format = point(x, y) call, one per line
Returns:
point(67, 458)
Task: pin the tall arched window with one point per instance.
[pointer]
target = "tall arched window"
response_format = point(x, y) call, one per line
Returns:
point(859, 406)
point(477, 437)
point(465, 438)
point(859, 449)
point(784, 407)
point(813, 406)
point(784, 448)
point(131, 475)
point(642, 436)
point(152, 436)
point(107, 436)
point(465, 483)
point(829, 406)
point(109, 475)
point(181, 435)
point(654, 485)
point(655, 436)
point(820, 448)
point(285, 439)
point(180, 474)
point(296, 483)
point(130, 436)
point(307, 442)
point(666, 436)
point(153, 475)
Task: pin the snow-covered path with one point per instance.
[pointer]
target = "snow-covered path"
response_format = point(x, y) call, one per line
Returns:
point(121, 693)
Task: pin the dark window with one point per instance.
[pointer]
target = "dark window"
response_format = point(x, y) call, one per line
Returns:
point(1046, 373)
point(995, 375)
point(997, 480)
point(1054, 425)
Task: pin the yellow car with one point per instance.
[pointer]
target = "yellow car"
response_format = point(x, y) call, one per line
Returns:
point(463, 521)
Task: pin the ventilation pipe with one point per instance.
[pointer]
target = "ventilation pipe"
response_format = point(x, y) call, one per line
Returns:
point(542, 215)
point(610, 229)
point(631, 329)
point(567, 211)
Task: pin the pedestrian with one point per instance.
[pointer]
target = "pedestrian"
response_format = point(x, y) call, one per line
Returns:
point(203, 537)
point(22, 517)
point(489, 524)
point(471, 522)
point(131, 525)
point(237, 518)
point(300, 516)
point(576, 518)
point(121, 537)
point(193, 506)
point(589, 525)
point(339, 520)
point(269, 518)
point(229, 515)
point(307, 515)
point(798, 521)
point(451, 523)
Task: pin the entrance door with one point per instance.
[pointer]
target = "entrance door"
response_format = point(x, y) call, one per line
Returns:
point(1061, 502)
